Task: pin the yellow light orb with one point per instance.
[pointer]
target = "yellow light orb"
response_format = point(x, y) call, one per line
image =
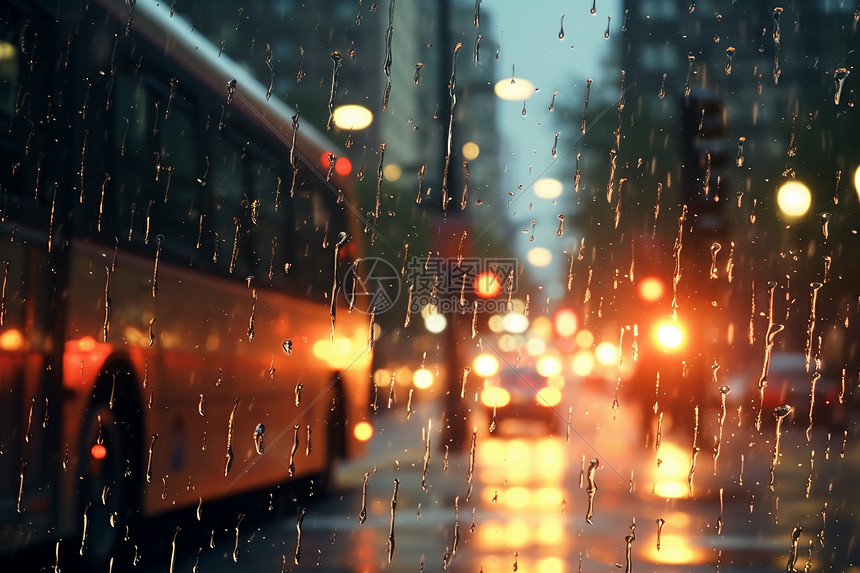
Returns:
point(495, 397)
point(535, 346)
point(392, 172)
point(514, 89)
point(606, 353)
point(516, 323)
point(352, 117)
point(583, 363)
point(794, 199)
point(548, 366)
point(651, 289)
point(470, 150)
point(548, 396)
point(565, 322)
point(435, 323)
point(584, 338)
point(485, 365)
point(422, 378)
point(539, 256)
point(857, 180)
point(670, 336)
point(363, 431)
point(548, 188)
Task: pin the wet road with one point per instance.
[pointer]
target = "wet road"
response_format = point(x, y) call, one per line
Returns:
point(524, 502)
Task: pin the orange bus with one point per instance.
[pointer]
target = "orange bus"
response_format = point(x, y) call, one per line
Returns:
point(171, 241)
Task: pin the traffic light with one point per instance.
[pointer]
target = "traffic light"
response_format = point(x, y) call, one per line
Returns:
point(487, 285)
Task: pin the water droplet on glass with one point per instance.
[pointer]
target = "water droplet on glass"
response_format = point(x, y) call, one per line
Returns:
point(231, 90)
point(229, 456)
point(258, 437)
point(824, 218)
point(730, 54)
point(839, 79)
point(591, 490)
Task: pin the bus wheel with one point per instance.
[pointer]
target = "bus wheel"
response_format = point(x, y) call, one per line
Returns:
point(106, 498)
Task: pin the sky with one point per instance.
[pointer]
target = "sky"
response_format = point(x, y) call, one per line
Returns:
point(530, 48)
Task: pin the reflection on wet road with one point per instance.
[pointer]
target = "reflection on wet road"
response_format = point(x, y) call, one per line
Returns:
point(529, 501)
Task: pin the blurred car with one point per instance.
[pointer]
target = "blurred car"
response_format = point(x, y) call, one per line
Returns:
point(523, 394)
point(789, 383)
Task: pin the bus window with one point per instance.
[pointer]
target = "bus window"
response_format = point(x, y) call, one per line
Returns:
point(20, 186)
point(157, 162)
point(313, 214)
point(231, 207)
point(271, 214)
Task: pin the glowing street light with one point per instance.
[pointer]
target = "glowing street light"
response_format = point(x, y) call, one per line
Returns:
point(352, 117)
point(794, 199)
point(514, 89)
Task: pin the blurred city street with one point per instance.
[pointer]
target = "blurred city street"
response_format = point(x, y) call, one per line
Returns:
point(525, 504)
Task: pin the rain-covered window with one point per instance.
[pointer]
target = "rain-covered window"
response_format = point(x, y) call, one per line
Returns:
point(379, 285)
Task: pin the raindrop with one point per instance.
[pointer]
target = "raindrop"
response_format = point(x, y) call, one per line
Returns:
point(730, 54)
point(417, 77)
point(662, 92)
point(780, 414)
point(777, 12)
point(362, 515)
point(291, 470)
point(591, 490)
point(810, 329)
point(160, 240)
point(391, 524)
point(471, 470)
point(561, 30)
point(691, 59)
point(792, 557)
point(629, 539)
point(585, 107)
point(839, 79)
point(200, 405)
point(594, 7)
point(720, 516)
point(552, 102)
point(229, 456)
point(337, 60)
point(297, 556)
point(715, 250)
point(231, 90)
point(740, 157)
point(606, 33)
point(258, 437)
point(660, 523)
point(149, 458)
point(824, 219)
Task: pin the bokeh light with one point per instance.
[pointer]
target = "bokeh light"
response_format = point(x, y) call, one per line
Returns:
point(794, 199)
